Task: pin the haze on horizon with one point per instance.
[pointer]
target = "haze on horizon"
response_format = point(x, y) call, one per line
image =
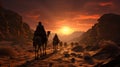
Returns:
point(57, 15)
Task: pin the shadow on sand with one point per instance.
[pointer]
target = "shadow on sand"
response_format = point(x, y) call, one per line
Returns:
point(27, 63)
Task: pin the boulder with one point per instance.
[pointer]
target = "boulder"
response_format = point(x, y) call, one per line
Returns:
point(77, 48)
point(108, 49)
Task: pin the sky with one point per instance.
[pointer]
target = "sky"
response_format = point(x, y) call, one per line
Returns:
point(74, 15)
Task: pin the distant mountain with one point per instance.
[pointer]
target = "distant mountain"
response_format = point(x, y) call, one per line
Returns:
point(74, 37)
point(12, 27)
point(107, 28)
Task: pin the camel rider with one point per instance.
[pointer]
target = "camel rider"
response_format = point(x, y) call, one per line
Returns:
point(55, 41)
point(40, 31)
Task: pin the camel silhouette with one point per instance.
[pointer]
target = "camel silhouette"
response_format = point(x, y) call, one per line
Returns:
point(40, 45)
point(37, 46)
point(45, 43)
point(55, 42)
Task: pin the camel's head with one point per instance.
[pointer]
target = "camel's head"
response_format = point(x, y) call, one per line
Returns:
point(48, 33)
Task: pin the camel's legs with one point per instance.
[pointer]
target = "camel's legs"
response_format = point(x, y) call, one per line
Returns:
point(35, 46)
point(39, 50)
point(45, 47)
point(57, 46)
point(36, 53)
point(42, 50)
point(53, 47)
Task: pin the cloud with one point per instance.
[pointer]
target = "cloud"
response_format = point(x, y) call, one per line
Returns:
point(106, 4)
point(86, 17)
point(78, 14)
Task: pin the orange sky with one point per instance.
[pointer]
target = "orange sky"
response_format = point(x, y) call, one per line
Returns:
point(78, 15)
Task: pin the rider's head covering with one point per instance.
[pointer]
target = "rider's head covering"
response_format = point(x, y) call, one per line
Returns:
point(40, 23)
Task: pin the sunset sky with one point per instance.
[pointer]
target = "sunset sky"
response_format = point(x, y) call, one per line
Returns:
point(77, 15)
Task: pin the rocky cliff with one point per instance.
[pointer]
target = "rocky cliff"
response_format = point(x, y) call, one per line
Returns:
point(12, 26)
point(107, 28)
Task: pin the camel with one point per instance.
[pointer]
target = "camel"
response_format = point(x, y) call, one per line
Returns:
point(55, 45)
point(55, 42)
point(40, 45)
point(45, 43)
point(37, 45)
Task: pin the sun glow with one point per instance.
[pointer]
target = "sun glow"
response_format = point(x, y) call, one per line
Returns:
point(66, 30)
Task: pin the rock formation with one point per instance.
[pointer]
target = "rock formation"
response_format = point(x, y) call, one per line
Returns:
point(12, 26)
point(107, 28)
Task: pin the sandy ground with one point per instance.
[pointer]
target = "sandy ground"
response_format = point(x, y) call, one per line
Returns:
point(25, 57)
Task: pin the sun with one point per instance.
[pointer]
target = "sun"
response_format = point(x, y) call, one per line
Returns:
point(66, 30)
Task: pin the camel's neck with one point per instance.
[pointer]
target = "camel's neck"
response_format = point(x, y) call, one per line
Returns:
point(47, 36)
point(48, 33)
